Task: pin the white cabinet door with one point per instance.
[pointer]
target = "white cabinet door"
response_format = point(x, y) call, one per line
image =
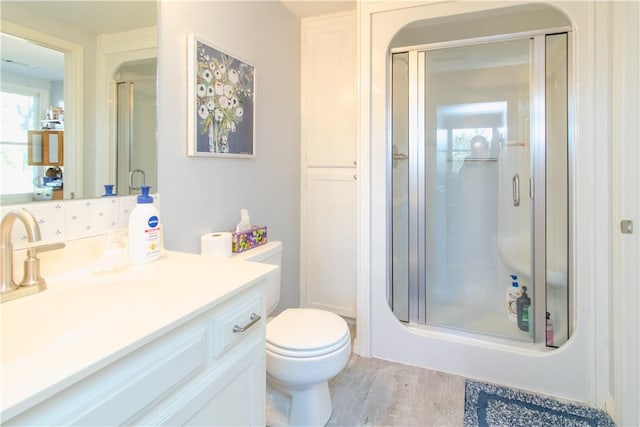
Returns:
point(230, 390)
point(328, 261)
point(328, 91)
point(328, 223)
point(235, 398)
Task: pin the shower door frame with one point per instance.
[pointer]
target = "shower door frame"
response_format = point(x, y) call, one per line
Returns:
point(124, 134)
point(537, 181)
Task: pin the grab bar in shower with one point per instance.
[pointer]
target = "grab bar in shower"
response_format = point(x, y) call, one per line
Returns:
point(516, 190)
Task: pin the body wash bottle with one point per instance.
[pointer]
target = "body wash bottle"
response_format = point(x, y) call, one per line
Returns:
point(523, 303)
point(144, 230)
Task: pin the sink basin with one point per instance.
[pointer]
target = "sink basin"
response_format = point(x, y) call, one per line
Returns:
point(84, 308)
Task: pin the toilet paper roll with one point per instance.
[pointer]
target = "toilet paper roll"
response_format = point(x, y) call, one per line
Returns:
point(216, 244)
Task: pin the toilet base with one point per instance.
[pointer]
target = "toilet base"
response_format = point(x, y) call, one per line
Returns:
point(309, 406)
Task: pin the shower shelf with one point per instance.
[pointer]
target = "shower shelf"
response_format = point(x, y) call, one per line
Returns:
point(517, 257)
point(474, 159)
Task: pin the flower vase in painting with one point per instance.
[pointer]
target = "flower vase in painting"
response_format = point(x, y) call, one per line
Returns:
point(224, 92)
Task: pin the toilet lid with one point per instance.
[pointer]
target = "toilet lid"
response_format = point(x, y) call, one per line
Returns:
point(306, 332)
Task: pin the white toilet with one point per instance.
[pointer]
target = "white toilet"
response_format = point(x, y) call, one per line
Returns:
point(305, 348)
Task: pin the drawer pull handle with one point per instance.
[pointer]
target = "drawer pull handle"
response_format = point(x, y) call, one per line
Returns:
point(254, 318)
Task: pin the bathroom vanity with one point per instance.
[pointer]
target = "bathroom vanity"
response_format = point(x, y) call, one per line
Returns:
point(179, 341)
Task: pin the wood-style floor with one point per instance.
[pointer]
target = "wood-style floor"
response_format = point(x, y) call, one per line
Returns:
point(374, 392)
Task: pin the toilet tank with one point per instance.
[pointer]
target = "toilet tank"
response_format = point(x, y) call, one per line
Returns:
point(269, 253)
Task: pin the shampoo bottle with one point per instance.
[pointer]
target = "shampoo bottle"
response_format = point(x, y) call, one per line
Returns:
point(523, 303)
point(513, 292)
point(144, 230)
point(549, 330)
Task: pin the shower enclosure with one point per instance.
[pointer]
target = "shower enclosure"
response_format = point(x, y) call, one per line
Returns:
point(478, 160)
point(136, 126)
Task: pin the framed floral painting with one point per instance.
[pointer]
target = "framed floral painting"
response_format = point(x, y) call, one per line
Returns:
point(221, 95)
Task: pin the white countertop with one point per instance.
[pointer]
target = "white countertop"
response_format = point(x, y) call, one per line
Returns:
point(84, 320)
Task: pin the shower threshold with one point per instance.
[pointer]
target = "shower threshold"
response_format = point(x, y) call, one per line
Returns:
point(474, 321)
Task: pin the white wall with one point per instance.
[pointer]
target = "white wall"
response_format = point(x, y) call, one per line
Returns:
point(57, 93)
point(204, 194)
point(624, 136)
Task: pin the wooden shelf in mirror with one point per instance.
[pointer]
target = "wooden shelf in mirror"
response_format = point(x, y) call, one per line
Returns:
point(46, 148)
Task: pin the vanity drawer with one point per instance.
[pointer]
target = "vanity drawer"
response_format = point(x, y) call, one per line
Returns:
point(235, 321)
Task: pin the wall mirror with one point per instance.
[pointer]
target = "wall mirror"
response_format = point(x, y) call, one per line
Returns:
point(78, 99)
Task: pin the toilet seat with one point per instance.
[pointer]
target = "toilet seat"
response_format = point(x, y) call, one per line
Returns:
point(306, 332)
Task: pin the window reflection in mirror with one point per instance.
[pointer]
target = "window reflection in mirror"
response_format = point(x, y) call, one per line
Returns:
point(32, 98)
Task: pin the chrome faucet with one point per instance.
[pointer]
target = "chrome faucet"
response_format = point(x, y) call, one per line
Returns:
point(32, 282)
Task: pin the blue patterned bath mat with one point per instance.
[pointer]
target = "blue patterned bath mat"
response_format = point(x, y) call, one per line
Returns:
point(491, 405)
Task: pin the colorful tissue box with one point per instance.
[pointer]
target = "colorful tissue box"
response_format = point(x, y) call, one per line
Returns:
point(248, 239)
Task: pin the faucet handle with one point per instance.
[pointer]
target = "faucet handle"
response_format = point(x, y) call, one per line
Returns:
point(34, 250)
point(32, 275)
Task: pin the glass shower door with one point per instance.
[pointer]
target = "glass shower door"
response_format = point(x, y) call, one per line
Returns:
point(477, 171)
point(480, 187)
point(460, 198)
point(399, 295)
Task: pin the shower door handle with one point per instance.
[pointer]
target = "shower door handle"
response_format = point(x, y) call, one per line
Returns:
point(397, 156)
point(141, 172)
point(516, 190)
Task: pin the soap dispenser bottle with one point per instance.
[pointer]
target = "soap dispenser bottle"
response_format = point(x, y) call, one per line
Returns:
point(513, 292)
point(523, 303)
point(144, 230)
